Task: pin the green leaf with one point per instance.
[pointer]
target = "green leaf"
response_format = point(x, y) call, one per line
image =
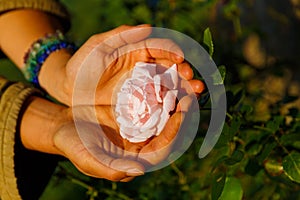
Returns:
point(292, 140)
point(238, 96)
point(275, 124)
point(232, 190)
point(219, 75)
point(273, 167)
point(236, 157)
point(253, 148)
point(246, 109)
point(218, 186)
point(266, 151)
point(222, 70)
point(207, 40)
point(291, 166)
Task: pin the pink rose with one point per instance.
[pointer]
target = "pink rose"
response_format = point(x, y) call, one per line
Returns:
point(145, 101)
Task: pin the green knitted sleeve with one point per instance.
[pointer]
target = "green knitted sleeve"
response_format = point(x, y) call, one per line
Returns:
point(51, 6)
point(13, 96)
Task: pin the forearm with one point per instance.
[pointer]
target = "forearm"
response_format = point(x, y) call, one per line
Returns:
point(39, 123)
point(20, 29)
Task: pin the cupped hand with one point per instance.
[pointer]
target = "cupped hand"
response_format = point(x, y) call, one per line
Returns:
point(70, 145)
point(99, 65)
point(97, 149)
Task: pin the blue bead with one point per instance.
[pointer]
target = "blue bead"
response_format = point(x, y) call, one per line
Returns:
point(53, 48)
point(63, 45)
point(42, 58)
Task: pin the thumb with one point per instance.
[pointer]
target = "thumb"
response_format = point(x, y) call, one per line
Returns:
point(159, 147)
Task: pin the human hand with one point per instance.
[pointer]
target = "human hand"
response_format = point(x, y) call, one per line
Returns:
point(107, 146)
point(48, 127)
point(97, 67)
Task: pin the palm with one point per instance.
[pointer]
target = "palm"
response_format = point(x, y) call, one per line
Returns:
point(106, 137)
point(104, 60)
point(104, 153)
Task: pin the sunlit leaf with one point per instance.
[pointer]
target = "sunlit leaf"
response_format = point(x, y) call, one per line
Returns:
point(207, 40)
point(232, 190)
point(291, 166)
point(273, 167)
point(254, 148)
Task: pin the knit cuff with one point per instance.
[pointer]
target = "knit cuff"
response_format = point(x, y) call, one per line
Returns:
point(10, 106)
point(49, 6)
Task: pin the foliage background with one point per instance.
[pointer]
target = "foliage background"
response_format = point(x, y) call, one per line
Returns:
point(257, 156)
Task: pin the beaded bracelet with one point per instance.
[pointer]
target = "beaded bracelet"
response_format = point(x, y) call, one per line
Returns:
point(39, 52)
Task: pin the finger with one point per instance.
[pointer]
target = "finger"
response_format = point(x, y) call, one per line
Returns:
point(184, 69)
point(153, 48)
point(127, 179)
point(118, 37)
point(159, 147)
point(193, 86)
point(164, 49)
point(184, 104)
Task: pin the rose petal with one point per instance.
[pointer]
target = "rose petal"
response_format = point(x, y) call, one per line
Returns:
point(145, 100)
point(164, 117)
point(172, 71)
point(144, 135)
point(130, 132)
point(169, 79)
point(124, 121)
point(157, 87)
point(143, 69)
point(170, 100)
point(152, 121)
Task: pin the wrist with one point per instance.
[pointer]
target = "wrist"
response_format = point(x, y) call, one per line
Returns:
point(53, 78)
point(39, 124)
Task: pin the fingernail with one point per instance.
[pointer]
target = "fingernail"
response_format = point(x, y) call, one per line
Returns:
point(134, 172)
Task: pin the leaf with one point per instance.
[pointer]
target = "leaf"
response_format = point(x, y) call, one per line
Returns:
point(207, 40)
point(253, 148)
point(291, 166)
point(219, 162)
point(246, 109)
point(228, 132)
point(232, 189)
point(222, 70)
point(234, 99)
point(275, 124)
point(273, 167)
point(219, 75)
point(218, 186)
point(292, 140)
point(238, 96)
point(266, 151)
point(236, 157)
